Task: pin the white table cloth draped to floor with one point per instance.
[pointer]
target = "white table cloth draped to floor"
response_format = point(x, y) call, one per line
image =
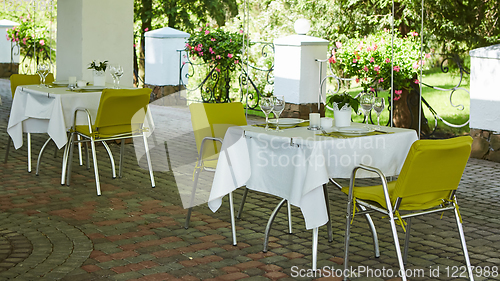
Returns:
point(294, 164)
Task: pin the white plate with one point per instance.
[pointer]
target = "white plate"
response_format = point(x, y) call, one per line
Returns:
point(61, 83)
point(353, 131)
point(287, 122)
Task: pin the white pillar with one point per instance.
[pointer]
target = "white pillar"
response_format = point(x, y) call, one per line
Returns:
point(94, 30)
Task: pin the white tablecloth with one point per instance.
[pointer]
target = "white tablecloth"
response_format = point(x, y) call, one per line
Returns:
point(294, 164)
point(48, 110)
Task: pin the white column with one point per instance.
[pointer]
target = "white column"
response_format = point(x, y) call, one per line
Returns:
point(94, 30)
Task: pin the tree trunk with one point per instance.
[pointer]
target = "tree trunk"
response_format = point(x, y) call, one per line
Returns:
point(406, 111)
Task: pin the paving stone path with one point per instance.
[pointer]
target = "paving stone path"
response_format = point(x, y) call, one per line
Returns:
point(134, 232)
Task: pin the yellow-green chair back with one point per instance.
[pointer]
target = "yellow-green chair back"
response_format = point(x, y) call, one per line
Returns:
point(432, 169)
point(213, 120)
point(24, 79)
point(117, 107)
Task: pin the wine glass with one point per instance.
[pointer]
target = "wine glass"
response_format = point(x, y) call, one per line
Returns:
point(43, 71)
point(112, 70)
point(118, 72)
point(266, 105)
point(366, 100)
point(279, 106)
point(378, 106)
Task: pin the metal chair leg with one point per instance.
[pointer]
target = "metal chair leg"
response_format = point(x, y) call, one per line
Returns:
point(120, 164)
point(148, 158)
point(289, 212)
point(464, 245)
point(80, 158)
point(65, 161)
point(407, 240)
point(29, 152)
point(347, 237)
point(370, 223)
point(69, 159)
point(243, 199)
point(398, 248)
point(96, 169)
point(87, 156)
point(111, 159)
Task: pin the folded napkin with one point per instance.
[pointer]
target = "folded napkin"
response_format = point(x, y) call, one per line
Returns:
point(343, 136)
point(303, 124)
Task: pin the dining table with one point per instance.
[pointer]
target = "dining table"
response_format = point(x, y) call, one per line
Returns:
point(296, 163)
point(42, 109)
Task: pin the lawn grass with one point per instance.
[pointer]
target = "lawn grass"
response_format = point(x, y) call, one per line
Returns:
point(438, 100)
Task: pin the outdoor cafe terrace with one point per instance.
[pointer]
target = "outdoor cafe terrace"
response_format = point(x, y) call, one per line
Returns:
point(50, 231)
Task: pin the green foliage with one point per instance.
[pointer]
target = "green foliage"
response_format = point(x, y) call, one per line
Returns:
point(98, 65)
point(342, 100)
point(216, 47)
point(369, 60)
point(32, 37)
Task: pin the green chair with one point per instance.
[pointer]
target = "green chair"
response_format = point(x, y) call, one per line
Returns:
point(210, 122)
point(120, 115)
point(18, 80)
point(427, 184)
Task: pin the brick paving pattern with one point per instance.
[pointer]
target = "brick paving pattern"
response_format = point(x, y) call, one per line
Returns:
point(50, 231)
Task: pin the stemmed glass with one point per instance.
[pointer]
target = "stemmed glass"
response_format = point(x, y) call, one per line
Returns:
point(43, 71)
point(117, 72)
point(366, 100)
point(267, 105)
point(279, 106)
point(378, 106)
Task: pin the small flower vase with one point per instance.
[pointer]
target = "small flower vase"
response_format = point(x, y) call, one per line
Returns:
point(99, 78)
point(342, 116)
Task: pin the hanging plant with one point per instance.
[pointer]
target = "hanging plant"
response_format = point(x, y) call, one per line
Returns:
point(33, 38)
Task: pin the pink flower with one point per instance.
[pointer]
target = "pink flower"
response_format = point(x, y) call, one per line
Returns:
point(218, 57)
point(200, 46)
point(187, 45)
point(201, 29)
point(20, 17)
point(218, 70)
point(372, 59)
point(241, 31)
point(332, 60)
point(365, 68)
point(229, 55)
point(201, 54)
point(207, 25)
point(42, 42)
point(357, 80)
point(183, 63)
point(369, 49)
point(24, 20)
point(397, 98)
point(387, 60)
point(413, 33)
point(354, 61)
point(24, 40)
point(211, 50)
point(207, 32)
point(416, 81)
point(236, 61)
point(7, 36)
point(381, 80)
point(146, 29)
point(372, 90)
point(398, 92)
point(396, 68)
point(212, 39)
point(385, 30)
point(338, 44)
point(376, 68)
point(428, 56)
point(230, 40)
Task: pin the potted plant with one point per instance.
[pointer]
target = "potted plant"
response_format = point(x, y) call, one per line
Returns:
point(99, 68)
point(370, 60)
point(220, 51)
point(342, 106)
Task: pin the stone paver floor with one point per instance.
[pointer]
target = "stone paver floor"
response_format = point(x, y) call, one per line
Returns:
point(50, 231)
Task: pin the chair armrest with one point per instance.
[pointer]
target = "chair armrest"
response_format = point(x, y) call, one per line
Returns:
point(200, 155)
point(89, 118)
point(381, 176)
